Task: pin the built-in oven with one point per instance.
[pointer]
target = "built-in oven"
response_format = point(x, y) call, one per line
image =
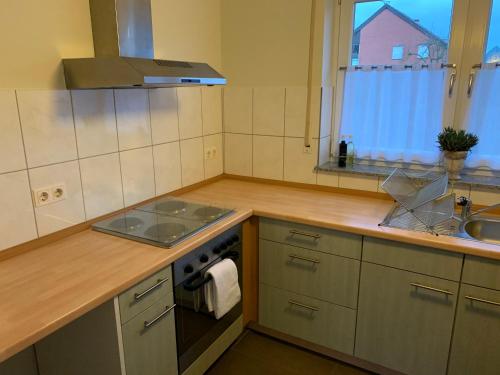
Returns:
point(197, 328)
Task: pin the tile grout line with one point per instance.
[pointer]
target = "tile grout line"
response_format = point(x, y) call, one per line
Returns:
point(27, 169)
point(77, 154)
point(148, 91)
point(118, 145)
point(202, 134)
point(251, 140)
point(179, 132)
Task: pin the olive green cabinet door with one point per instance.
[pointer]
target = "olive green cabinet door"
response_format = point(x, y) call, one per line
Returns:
point(476, 340)
point(151, 350)
point(405, 320)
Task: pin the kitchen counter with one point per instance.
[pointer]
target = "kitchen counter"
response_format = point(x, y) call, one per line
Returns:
point(46, 288)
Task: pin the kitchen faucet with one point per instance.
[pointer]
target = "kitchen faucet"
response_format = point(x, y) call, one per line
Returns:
point(466, 205)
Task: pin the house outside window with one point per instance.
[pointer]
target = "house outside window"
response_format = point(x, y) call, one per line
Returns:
point(423, 51)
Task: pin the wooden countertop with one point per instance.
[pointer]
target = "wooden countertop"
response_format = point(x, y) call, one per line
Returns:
point(46, 288)
point(350, 213)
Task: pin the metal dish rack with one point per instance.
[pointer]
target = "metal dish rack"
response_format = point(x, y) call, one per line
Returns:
point(425, 208)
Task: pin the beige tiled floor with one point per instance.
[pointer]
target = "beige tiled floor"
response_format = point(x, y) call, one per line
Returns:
point(255, 354)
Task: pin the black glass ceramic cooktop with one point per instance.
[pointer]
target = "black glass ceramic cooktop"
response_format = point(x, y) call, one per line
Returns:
point(164, 222)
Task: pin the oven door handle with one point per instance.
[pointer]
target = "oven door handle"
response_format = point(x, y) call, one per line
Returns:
point(195, 285)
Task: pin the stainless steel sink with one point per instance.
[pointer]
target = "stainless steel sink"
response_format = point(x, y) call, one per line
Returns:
point(482, 229)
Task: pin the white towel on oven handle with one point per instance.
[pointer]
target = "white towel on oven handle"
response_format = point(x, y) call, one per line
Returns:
point(222, 293)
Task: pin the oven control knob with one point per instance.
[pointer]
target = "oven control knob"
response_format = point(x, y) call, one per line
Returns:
point(223, 246)
point(203, 258)
point(217, 250)
point(188, 269)
point(235, 238)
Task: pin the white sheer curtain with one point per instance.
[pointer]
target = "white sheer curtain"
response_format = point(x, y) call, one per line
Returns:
point(394, 115)
point(484, 118)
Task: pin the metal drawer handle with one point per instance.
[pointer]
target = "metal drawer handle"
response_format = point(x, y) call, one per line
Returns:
point(300, 233)
point(312, 308)
point(167, 310)
point(447, 292)
point(312, 260)
point(138, 296)
point(483, 300)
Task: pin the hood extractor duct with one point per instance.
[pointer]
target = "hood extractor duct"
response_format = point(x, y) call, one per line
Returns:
point(124, 55)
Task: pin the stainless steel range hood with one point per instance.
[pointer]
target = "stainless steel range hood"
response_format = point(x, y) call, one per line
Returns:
point(124, 55)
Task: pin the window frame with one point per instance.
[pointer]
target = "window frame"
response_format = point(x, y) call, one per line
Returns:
point(402, 52)
point(344, 34)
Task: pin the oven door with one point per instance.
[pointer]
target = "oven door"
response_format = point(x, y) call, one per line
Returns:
point(197, 328)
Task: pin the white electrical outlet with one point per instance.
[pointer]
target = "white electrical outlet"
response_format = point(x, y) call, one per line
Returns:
point(307, 150)
point(208, 154)
point(49, 194)
point(214, 152)
point(58, 192)
point(42, 196)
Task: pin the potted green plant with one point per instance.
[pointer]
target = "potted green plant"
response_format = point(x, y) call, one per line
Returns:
point(455, 146)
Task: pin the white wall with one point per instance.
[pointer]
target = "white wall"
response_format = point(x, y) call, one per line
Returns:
point(36, 35)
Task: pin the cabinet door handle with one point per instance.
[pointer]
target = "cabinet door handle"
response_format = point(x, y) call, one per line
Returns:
point(312, 260)
point(138, 296)
point(167, 310)
point(420, 286)
point(483, 300)
point(453, 78)
point(470, 84)
point(301, 233)
point(312, 308)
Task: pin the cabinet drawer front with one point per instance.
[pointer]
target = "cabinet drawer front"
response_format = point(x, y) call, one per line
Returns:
point(481, 272)
point(312, 273)
point(307, 318)
point(309, 237)
point(413, 258)
point(141, 296)
point(402, 326)
point(476, 340)
point(151, 350)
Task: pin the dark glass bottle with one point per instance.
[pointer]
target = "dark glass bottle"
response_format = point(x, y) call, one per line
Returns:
point(342, 153)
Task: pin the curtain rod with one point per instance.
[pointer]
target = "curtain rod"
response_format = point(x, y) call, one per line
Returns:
point(373, 67)
point(480, 65)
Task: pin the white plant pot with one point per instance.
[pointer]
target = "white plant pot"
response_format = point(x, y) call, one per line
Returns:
point(454, 163)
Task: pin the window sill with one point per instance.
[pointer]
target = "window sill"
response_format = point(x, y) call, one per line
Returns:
point(468, 179)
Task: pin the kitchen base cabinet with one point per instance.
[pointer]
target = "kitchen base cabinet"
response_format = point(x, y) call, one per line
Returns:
point(149, 341)
point(307, 318)
point(102, 343)
point(23, 363)
point(88, 345)
point(476, 339)
point(405, 320)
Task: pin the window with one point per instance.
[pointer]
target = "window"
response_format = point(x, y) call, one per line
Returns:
point(483, 101)
point(393, 98)
point(423, 51)
point(397, 52)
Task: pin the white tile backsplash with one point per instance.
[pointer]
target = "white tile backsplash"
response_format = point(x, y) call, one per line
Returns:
point(211, 103)
point(47, 124)
point(102, 184)
point(328, 179)
point(65, 213)
point(295, 111)
point(238, 110)
point(132, 117)
point(95, 122)
point(190, 120)
point(167, 159)
point(193, 169)
point(164, 116)
point(17, 221)
point(99, 144)
point(138, 175)
point(484, 197)
point(268, 157)
point(269, 111)
point(238, 154)
point(355, 182)
point(299, 165)
point(215, 165)
point(11, 142)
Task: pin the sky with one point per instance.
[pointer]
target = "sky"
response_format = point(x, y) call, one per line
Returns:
point(434, 15)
